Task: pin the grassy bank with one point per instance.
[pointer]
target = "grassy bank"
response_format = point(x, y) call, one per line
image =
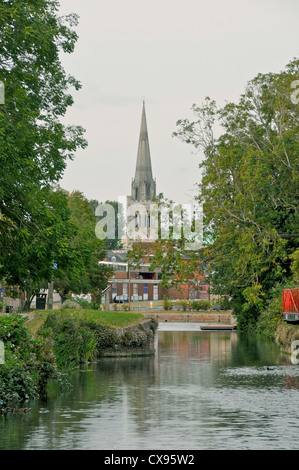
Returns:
point(47, 345)
point(111, 319)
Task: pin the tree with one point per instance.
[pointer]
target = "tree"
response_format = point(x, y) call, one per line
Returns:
point(34, 144)
point(40, 241)
point(249, 188)
point(84, 274)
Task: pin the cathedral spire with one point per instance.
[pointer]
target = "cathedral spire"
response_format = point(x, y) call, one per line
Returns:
point(143, 185)
point(143, 166)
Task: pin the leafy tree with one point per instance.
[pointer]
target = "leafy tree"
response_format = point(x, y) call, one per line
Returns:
point(249, 188)
point(34, 144)
point(84, 274)
point(295, 265)
point(40, 241)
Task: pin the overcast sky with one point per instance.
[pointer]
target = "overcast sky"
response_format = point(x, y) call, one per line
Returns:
point(172, 54)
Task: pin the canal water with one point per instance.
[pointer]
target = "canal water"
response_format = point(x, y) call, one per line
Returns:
point(201, 390)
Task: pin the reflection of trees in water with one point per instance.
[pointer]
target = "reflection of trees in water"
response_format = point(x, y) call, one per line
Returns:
point(98, 384)
point(255, 350)
point(172, 386)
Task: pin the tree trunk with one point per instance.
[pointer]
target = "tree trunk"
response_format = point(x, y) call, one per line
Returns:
point(28, 299)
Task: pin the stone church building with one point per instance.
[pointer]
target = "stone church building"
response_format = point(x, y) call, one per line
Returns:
point(142, 283)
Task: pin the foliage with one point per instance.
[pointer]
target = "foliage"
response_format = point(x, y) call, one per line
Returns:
point(37, 244)
point(81, 302)
point(135, 339)
point(270, 318)
point(64, 340)
point(107, 337)
point(83, 274)
point(72, 343)
point(183, 304)
point(84, 303)
point(249, 189)
point(29, 363)
point(95, 306)
point(81, 336)
point(200, 305)
point(295, 265)
point(167, 304)
point(34, 144)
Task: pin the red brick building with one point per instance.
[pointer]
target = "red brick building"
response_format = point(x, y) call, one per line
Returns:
point(143, 284)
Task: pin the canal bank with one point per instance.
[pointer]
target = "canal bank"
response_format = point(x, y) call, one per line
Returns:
point(96, 334)
point(285, 335)
point(46, 346)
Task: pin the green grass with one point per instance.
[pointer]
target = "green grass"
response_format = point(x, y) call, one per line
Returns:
point(115, 319)
point(112, 319)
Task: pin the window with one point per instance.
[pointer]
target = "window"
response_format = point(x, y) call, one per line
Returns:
point(145, 292)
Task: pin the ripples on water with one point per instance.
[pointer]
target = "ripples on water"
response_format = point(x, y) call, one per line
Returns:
point(202, 390)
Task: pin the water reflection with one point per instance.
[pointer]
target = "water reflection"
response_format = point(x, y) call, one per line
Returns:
point(202, 390)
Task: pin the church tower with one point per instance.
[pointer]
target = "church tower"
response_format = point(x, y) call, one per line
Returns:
point(143, 188)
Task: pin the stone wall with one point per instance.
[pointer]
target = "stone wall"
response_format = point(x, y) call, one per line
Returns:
point(202, 317)
point(16, 304)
